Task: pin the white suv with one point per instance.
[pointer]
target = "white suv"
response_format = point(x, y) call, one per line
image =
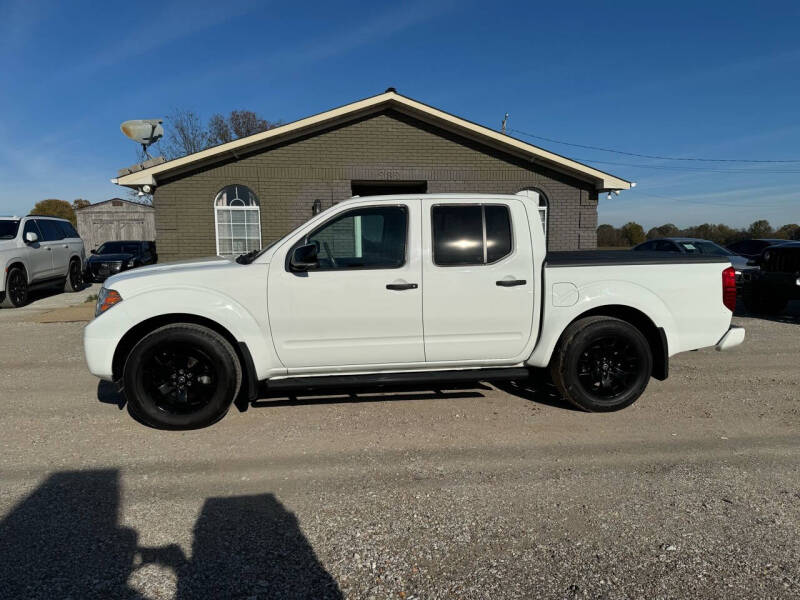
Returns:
point(35, 252)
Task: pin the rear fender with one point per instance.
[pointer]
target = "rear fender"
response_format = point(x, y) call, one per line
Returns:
point(593, 297)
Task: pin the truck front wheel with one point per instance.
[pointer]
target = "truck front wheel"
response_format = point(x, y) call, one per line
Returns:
point(601, 364)
point(181, 376)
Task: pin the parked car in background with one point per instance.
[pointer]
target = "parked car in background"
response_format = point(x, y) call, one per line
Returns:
point(685, 245)
point(114, 257)
point(37, 252)
point(405, 289)
point(777, 280)
point(753, 248)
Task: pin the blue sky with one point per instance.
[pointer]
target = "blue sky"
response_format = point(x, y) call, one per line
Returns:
point(694, 79)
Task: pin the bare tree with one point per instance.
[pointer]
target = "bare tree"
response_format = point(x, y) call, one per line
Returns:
point(246, 122)
point(186, 134)
point(219, 131)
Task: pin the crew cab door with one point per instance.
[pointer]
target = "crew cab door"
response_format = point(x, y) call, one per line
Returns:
point(362, 306)
point(39, 257)
point(56, 244)
point(478, 277)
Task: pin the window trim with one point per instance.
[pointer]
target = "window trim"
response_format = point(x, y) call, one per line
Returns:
point(303, 240)
point(510, 252)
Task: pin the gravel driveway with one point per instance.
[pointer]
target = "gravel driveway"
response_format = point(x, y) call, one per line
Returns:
point(468, 493)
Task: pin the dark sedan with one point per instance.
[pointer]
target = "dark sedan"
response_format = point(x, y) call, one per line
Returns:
point(113, 257)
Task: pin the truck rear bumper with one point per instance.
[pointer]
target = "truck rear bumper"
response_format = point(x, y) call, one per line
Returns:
point(731, 339)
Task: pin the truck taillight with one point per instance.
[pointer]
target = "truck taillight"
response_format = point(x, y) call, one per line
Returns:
point(729, 288)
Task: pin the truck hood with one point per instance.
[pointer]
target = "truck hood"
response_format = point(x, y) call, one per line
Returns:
point(188, 272)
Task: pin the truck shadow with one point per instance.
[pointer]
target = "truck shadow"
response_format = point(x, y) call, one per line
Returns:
point(367, 394)
point(64, 540)
point(538, 390)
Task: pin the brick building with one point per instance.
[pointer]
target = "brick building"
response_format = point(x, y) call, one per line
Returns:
point(246, 193)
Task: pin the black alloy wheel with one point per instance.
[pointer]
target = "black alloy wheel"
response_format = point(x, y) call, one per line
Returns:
point(608, 367)
point(601, 364)
point(181, 376)
point(16, 294)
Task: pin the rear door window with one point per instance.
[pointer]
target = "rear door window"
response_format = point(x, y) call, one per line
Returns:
point(471, 234)
point(67, 229)
point(457, 235)
point(50, 230)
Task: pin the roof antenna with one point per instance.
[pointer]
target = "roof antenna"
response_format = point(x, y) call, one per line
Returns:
point(505, 120)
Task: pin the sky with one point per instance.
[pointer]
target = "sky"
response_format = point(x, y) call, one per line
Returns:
point(713, 80)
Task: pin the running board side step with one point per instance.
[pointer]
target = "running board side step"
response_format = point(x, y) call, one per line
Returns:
point(379, 380)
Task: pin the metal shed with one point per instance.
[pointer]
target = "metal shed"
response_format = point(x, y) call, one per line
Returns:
point(115, 219)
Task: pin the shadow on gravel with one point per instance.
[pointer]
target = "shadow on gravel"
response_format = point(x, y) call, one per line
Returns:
point(538, 390)
point(367, 394)
point(64, 540)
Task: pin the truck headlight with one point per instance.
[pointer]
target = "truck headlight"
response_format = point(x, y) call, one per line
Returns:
point(105, 300)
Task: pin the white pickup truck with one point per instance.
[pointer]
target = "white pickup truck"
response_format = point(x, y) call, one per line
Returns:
point(404, 289)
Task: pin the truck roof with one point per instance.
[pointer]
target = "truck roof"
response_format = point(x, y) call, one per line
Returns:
point(442, 196)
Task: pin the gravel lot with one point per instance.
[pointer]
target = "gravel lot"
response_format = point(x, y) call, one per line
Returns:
point(480, 493)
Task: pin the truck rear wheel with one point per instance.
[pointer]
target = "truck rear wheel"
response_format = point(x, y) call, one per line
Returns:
point(181, 376)
point(601, 364)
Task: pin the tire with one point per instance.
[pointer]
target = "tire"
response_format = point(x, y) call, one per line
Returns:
point(601, 364)
point(74, 281)
point(16, 293)
point(161, 368)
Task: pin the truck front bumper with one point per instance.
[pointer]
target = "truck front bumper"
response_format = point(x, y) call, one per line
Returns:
point(732, 338)
point(99, 351)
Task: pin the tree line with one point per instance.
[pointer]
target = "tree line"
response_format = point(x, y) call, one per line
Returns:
point(632, 233)
point(187, 133)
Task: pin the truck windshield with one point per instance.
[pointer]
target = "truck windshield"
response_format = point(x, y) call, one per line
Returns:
point(8, 229)
point(119, 248)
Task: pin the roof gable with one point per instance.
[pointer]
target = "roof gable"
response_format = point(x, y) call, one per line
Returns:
point(388, 100)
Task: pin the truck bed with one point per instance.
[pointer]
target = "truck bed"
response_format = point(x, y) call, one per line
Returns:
point(597, 258)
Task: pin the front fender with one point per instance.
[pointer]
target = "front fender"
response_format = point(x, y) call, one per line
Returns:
point(103, 334)
point(593, 296)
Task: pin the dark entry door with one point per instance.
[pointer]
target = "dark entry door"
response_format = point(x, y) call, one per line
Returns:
point(381, 188)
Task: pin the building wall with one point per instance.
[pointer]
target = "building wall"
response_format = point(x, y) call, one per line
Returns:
point(113, 220)
point(384, 147)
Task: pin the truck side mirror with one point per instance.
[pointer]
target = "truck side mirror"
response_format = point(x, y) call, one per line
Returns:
point(31, 237)
point(304, 258)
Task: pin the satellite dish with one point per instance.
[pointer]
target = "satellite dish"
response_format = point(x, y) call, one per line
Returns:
point(143, 131)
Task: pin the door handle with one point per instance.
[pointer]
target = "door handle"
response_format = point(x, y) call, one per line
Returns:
point(510, 282)
point(66, 245)
point(49, 249)
point(401, 286)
